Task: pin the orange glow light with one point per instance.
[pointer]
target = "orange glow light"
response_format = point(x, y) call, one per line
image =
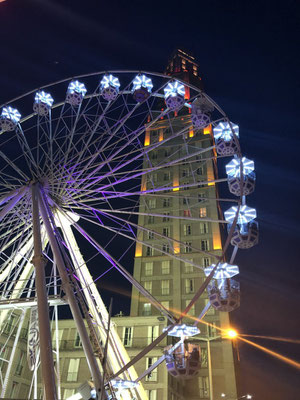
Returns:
point(147, 138)
point(176, 248)
point(161, 135)
point(217, 243)
point(191, 133)
point(138, 250)
point(207, 130)
point(231, 334)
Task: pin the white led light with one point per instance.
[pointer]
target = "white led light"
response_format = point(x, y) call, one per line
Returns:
point(43, 97)
point(183, 330)
point(109, 80)
point(246, 214)
point(223, 131)
point(233, 167)
point(223, 271)
point(77, 87)
point(142, 81)
point(11, 114)
point(173, 89)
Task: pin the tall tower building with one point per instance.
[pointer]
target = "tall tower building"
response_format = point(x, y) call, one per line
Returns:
point(166, 267)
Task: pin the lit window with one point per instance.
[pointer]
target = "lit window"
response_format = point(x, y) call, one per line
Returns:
point(166, 202)
point(189, 286)
point(166, 217)
point(186, 213)
point(77, 341)
point(153, 332)
point(165, 287)
point(146, 309)
point(188, 247)
point(203, 227)
point(187, 230)
point(165, 267)
point(206, 262)
point(127, 336)
point(204, 245)
point(150, 235)
point(73, 369)
point(202, 212)
point(149, 268)
point(188, 267)
point(148, 286)
point(192, 310)
point(152, 203)
point(152, 376)
point(149, 251)
point(166, 232)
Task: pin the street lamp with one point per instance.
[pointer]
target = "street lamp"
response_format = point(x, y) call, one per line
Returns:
point(229, 334)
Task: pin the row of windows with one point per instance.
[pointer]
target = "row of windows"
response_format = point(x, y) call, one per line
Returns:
point(167, 176)
point(147, 309)
point(164, 267)
point(152, 203)
point(187, 248)
point(186, 228)
point(189, 285)
point(186, 213)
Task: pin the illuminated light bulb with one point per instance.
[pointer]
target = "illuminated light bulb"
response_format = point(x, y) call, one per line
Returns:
point(246, 214)
point(233, 168)
point(231, 333)
point(223, 131)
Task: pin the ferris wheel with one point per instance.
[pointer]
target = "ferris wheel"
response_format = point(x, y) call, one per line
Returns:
point(76, 163)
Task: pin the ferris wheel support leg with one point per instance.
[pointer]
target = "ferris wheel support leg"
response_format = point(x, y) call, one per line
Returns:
point(48, 374)
point(88, 350)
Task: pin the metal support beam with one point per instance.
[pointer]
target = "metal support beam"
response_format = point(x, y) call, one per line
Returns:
point(47, 365)
point(87, 347)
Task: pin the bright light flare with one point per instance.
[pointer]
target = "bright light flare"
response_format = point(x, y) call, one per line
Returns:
point(77, 87)
point(246, 214)
point(11, 113)
point(233, 168)
point(231, 334)
point(142, 81)
point(223, 131)
point(223, 271)
point(173, 89)
point(109, 80)
point(43, 97)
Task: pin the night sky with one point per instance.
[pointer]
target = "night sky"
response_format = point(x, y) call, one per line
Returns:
point(248, 52)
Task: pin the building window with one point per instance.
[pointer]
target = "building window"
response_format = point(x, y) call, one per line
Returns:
point(165, 304)
point(199, 171)
point(205, 245)
point(150, 219)
point(167, 176)
point(206, 262)
point(77, 341)
point(59, 334)
point(167, 151)
point(165, 287)
point(154, 155)
point(149, 251)
point(212, 330)
point(4, 351)
point(166, 248)
point(202, 212)
point(189, 286)
point(204, 363)
point(185, 201)
point(73, 369)
point(186, 213)
point(187, 230)
point(149, 268)
point(153, 332)
point(20, 363)
point(188, 267)
point(152, 203)
point(148, 286)
point(201, 197)
point(14, 390)
point(166, 232)
point(186, 186)
point(150, 235)
point(146, 309)
point(188, 247)
point(127, 336)
point(10, 324)
point(152, 394)
point(165, 267)
point(68, 393)
point(204, 386)
point(185, 172)
point(152, 376)
point(203, 227)
point(192, 310)
point(166, 202)
point(166, 217)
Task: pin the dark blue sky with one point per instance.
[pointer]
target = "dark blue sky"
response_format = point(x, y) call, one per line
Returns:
point(248, 54)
